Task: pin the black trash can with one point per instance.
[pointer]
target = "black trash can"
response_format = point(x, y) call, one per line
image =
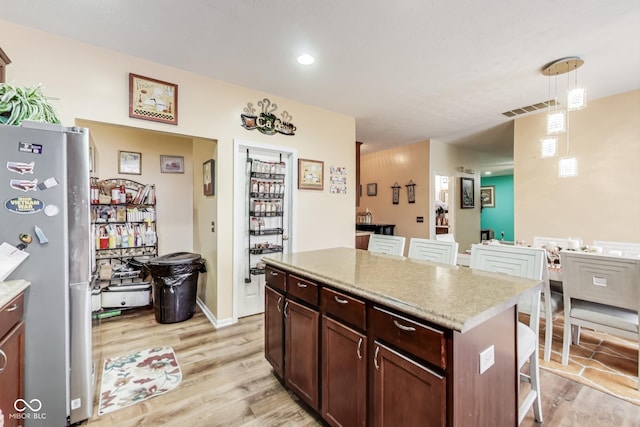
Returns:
point(175, 284)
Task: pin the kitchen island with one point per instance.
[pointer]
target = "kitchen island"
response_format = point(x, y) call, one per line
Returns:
point(372, 339)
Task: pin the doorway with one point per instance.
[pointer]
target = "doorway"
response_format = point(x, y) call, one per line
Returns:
point(443, 223)
point(262, 191)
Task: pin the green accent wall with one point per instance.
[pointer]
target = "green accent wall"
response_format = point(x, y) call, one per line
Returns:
point(499, 218)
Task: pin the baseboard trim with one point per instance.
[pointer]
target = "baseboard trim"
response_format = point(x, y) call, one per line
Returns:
point(209, 315)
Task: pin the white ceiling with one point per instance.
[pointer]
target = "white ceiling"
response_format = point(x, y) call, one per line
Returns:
point(407, 70)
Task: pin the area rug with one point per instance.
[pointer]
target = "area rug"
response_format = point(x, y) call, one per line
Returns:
point(136, 377)
point(601, 361)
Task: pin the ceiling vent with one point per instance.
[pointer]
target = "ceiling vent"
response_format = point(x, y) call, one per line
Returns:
point(530, 108)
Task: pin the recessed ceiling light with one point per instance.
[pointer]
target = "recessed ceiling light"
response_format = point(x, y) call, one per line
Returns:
point(487, 173)
point(306, 59)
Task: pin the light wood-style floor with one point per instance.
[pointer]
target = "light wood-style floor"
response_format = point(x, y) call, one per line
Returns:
point(227, 382)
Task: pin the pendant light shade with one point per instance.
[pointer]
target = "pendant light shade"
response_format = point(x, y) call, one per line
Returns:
point(568, 167)
point(576, 99)
point(556, 122)
point(549, 147)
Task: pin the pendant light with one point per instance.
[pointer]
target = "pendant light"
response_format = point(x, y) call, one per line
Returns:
point(558, 119)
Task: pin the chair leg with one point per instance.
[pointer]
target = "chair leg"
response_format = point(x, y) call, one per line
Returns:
point(548, 337)
point(534, 367)
point(575, 332)
point(566, 340)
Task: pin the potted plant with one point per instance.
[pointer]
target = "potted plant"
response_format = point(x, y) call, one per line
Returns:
point(18, 103)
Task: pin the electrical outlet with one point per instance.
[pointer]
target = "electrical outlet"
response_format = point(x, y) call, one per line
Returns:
point(487, 359)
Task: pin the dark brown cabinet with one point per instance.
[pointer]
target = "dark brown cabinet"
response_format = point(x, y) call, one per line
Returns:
point(301, 351)
point(292, 333)
point(405, 393)
point(274, 330)
point(359, 362)
point(344, 374)
point(11, 358)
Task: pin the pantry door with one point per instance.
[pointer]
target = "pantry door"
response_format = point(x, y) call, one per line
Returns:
point(260, 230)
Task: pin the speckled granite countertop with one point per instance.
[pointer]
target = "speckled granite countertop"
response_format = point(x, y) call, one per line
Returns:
point(10, 289)
point(457, 298)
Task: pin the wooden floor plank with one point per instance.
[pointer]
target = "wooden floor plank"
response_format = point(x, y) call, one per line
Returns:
point(227, 382)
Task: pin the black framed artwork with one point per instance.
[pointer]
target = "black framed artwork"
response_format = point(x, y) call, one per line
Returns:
point(466, 193)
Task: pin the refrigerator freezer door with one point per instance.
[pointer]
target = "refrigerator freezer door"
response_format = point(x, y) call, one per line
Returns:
point(81, 398)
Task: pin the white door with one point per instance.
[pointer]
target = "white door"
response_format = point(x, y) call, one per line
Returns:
point(263, 187)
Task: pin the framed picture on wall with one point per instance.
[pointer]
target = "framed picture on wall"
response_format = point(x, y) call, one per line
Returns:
point(152, 99)
point(171, 164)
point(372, 189)
point(310, 174)
point(208, 178)
point(129, 162)
point(466, 193)
point(488, 196)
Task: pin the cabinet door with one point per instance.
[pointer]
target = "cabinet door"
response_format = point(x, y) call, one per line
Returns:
point(344, 374)
point(405, 392)
point(274, 330)
point(11, 373)
point(301, 352)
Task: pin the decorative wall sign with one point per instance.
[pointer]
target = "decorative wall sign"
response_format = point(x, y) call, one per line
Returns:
point(396, 193)
point(466, 193)
point(267, 122)
point(152, 99)
point(411, 191)
point(338, 179)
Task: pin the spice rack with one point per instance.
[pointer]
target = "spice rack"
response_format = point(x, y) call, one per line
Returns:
point(265, 213)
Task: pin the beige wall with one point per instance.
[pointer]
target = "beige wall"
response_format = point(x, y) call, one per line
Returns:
point(402, 164)
point(92, 84)
point(603, 202)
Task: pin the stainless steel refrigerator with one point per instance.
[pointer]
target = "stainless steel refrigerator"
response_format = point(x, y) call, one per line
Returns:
point(44, 191)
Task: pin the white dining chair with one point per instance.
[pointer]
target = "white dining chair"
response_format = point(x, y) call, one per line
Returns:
point(527, 263)
point(601, 292)
point(621, 248)
point(445, 237)
point(433, 250)
point(385, 244)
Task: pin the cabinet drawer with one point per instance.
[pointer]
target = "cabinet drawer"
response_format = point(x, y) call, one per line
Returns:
point(11, 314)
point(275, 278)
point(348, 309)
point(410, 336)
point(302, 289)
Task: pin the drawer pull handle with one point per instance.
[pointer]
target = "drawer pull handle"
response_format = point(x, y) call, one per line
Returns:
point(273, 273)
point(403, 327)
point(375, 359)
point(284, 310)
point(278, 304)
point(14, 307)
point(359, 347)
point(4, 363)
point(301, 285)
point(340, 301)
